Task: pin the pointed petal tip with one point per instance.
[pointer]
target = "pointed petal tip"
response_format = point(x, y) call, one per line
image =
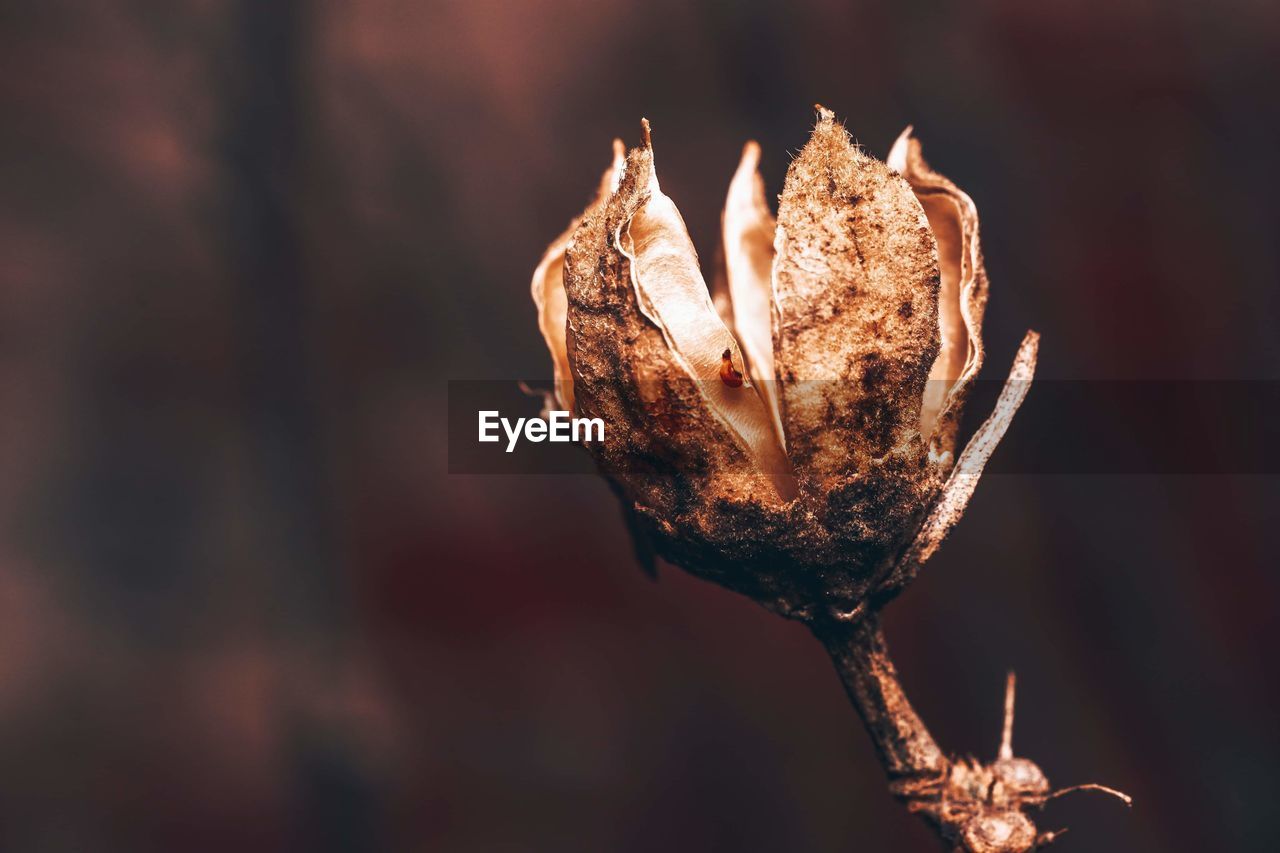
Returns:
point(827, 127)
point(750, 160)
point(1024, 363)
point(646, 136)
point(613, 177)
point(897, 159)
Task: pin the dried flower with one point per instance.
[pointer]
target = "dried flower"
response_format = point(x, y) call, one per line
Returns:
point(792, 437)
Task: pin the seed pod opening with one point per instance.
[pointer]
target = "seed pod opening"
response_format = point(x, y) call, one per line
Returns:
point(953, 217)
point(673, 295)
point(747, 231)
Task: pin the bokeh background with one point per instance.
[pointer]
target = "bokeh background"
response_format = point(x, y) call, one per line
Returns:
point(243, 245)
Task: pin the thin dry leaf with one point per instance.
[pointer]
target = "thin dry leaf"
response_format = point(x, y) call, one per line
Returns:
point(964, 477)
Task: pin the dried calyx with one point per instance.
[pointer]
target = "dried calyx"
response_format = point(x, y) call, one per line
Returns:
point(789, 432)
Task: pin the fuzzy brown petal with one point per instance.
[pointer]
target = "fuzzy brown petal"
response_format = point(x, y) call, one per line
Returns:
point(548, 286)
point(954, 220)
point(672, 293)
point(856, 301)
point(646, 358)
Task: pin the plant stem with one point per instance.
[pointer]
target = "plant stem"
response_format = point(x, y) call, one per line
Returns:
point(973, 807)
point(904, 744)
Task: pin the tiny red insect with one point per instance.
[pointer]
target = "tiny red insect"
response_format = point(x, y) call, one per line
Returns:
point(729, 375)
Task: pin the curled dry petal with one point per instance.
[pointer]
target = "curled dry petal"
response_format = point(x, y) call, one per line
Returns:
point(671, 292)
point(548, 285)
point(747, 229)
point(963, 298)
point(646, 345)
point(856, 290)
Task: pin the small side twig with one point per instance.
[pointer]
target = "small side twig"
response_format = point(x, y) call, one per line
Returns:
point(974, 807)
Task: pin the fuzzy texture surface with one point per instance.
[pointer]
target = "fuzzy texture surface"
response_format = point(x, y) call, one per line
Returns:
point(792, 468)
point(855, 310)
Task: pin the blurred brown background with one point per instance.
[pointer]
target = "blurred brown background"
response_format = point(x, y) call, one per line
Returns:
point(244, 244)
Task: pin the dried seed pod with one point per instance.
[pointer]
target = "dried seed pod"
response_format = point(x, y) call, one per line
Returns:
point(776, 439)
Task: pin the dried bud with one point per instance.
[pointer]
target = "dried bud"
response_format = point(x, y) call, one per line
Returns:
point(792, 438)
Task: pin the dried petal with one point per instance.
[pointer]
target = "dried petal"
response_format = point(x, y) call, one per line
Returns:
point(720, 291)
point(954, 220)
point(671, 292)
point(548, 286)
point(640, 319)
point(747, 228)
point(856, 290)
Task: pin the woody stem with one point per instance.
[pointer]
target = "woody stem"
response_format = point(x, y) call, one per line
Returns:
point(906, 749)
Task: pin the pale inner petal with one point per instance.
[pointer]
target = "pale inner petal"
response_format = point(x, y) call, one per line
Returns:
point(954, 221)
point(944, 220)
point(548, 293)
point(748, 231)
point(720, 292)
point(672, 293)
point(553, 311)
